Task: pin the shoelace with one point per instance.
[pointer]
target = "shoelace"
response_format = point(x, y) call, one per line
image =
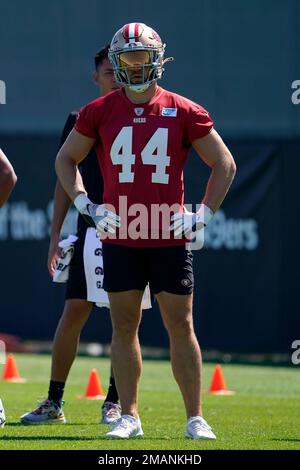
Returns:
point(44, 405)
point(112, 409)
point(123, 423)
point(113, 412)
point(200, 425)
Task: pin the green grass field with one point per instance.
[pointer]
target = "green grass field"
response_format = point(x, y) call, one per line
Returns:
point(264, 413)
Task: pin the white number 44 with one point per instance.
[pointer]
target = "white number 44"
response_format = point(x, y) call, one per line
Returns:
point(154, 153)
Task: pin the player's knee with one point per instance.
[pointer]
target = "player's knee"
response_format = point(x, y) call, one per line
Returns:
point(182, 326)
point(76, 310)
point(124, 334)
point(125, 325)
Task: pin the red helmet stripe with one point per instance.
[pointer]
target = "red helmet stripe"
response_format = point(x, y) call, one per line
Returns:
point(126, 32)
point(136, 32)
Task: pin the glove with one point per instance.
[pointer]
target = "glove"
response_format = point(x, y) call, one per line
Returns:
point(98, 216)
point(187, 223)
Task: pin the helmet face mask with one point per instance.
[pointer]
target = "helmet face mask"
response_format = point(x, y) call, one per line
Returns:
point(136, 53)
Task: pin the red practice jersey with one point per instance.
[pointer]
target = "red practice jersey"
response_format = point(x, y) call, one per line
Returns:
point(142, 149)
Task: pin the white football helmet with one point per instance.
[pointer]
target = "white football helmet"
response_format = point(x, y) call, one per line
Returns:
point(136, 53)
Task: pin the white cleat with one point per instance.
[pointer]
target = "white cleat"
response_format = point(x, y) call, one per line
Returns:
point(47, 413)
point(111, 412)
point(126, 427)
point(2, 415)
point(197, 428)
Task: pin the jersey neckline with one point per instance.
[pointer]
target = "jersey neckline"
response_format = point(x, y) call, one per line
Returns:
point(159, 91)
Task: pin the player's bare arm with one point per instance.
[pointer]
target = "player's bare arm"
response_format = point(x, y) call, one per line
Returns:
point(8, 178)
point(74, 150)
point(216, 155)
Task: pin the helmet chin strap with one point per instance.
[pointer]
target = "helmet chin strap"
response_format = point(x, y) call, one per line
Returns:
point(139, 88)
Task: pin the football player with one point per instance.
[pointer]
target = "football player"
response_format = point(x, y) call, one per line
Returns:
point(142, 135)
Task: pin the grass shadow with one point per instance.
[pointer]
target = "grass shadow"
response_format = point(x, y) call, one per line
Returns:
point(47, 438)
point(79, 438)
point(285, 439)
point(19, 424)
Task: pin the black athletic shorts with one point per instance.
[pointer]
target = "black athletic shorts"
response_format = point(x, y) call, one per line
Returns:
point(168, 269)
point(76, 283)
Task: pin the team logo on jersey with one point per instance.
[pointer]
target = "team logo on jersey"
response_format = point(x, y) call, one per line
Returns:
point(169, 112)
point(138, 111)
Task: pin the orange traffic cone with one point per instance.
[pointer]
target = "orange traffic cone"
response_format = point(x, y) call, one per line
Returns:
point(11, 373)
point(94, 390)
point(218, 385)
